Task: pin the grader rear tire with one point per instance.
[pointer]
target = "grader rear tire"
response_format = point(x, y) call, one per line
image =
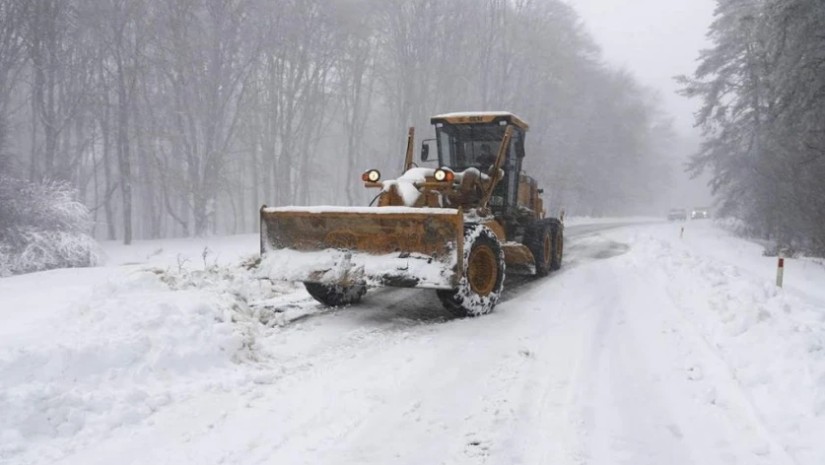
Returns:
point(545, 239)
point(482, 278)
point(539, 239)
point(558, 247)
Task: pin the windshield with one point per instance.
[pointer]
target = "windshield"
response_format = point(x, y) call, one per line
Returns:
point(464, 146)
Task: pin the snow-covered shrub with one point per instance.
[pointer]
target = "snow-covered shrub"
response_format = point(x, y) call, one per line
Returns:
point(787, 248)
point(42, 227)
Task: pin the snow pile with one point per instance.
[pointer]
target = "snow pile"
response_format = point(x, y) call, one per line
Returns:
point(406, 185)
point(135, 344)
point(177, 253)
point(343, 266)
point(772, 340)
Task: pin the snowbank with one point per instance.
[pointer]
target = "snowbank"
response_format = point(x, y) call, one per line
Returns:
point(144, 338)
point(771, 339)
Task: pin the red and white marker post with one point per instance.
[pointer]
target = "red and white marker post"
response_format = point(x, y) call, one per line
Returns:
point(780, 271)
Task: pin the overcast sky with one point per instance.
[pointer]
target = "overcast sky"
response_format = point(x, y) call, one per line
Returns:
point(654, 40)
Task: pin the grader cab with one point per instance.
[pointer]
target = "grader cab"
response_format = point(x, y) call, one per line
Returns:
point(455, 229)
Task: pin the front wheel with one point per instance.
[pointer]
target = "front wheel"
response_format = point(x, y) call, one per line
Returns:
point(336, 295)
point(482, 278)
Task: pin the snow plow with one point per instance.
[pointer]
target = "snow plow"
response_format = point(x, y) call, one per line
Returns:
point(455, 229)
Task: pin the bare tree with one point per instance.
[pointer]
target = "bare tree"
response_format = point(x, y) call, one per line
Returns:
point(12, 60)
point(208, 66)
point(61, 77)
point(178, 118)
point(355, 80)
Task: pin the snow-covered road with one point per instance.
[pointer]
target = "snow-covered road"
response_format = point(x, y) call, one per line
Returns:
point(644, 349)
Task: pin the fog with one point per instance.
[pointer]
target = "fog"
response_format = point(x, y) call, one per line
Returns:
point(656, 40)
point(182, 119)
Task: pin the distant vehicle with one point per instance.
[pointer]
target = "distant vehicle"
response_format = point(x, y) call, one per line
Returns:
point(699, 213)
point(677, 214)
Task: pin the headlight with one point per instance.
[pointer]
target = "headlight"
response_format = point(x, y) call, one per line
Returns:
point(442, 175)
point(371, 176)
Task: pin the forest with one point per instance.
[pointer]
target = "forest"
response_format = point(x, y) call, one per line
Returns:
point(762, 88)
point(182, 118)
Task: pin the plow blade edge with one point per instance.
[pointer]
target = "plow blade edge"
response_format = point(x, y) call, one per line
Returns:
point(379, 246)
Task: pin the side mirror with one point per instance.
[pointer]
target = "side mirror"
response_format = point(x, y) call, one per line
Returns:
point(425, 152)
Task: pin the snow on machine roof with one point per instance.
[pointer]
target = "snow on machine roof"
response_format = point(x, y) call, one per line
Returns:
point(470, 117)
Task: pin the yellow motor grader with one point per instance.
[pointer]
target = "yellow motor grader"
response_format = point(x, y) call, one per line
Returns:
point(455, 229)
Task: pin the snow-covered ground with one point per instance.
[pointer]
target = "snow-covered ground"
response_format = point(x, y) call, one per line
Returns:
point(646, 348)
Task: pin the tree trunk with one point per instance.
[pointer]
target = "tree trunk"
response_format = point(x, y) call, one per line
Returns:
point(124, 160)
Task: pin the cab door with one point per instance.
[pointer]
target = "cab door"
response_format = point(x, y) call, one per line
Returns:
point(505, 197)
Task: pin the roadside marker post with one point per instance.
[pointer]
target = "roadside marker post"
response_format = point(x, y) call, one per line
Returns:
point(682, 233)
point(780, 271)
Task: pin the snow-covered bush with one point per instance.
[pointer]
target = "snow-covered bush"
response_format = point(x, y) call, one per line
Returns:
point(42, 227)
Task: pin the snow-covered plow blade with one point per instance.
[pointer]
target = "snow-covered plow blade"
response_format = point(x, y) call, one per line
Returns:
point(376, 246)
